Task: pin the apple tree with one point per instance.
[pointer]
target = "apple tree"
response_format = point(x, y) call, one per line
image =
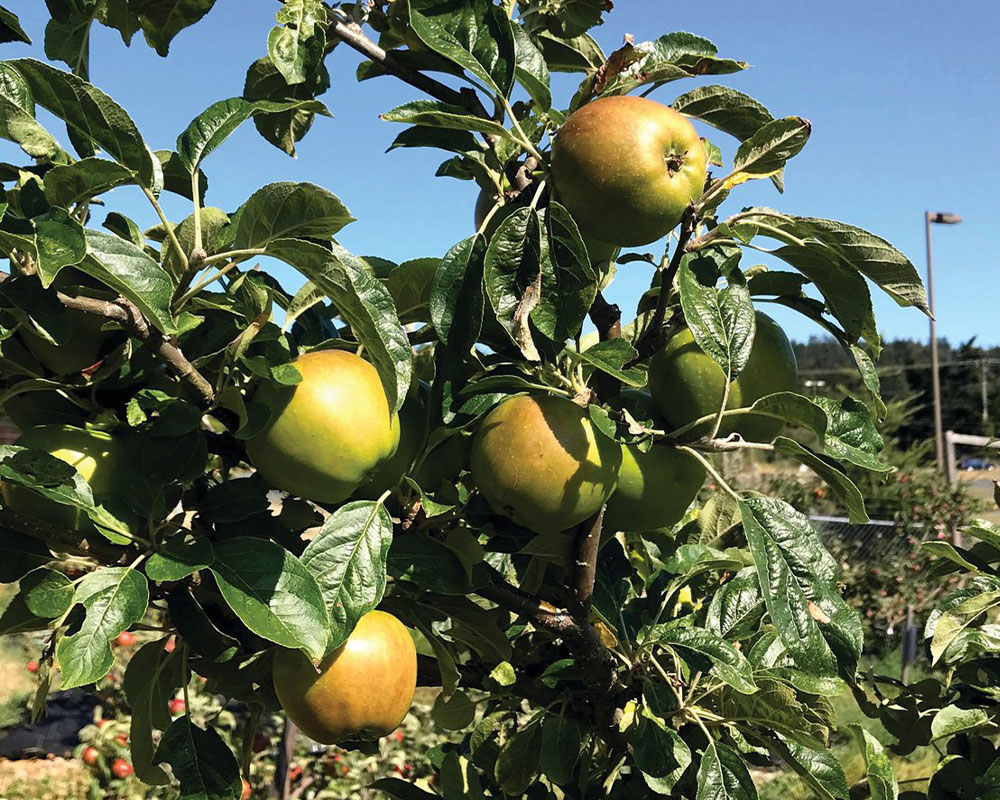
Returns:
point(467, 470)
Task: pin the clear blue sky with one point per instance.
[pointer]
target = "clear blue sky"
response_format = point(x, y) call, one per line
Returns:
point(902, 95)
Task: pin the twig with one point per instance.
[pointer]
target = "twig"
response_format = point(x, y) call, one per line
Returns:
point(607, 318)
point(124, 311)
point(585, 571)
point(649, 342)
point(351, 34)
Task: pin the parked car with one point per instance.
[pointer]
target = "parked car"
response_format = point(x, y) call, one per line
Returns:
point(975, 462)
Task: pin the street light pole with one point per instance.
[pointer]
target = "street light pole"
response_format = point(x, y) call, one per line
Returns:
point(946, 219)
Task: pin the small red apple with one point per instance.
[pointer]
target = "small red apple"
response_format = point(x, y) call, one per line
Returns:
point(32, 666)
point(90, 756)
point(121, 768)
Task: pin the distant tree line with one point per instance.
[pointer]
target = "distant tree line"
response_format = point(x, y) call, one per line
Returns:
point(970, 382)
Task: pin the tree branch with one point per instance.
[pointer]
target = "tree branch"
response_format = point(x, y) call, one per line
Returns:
point(60, 539)
point(607, 318)
point(651, 339)
point(123, 311)
point(579, 635)
point(585, 569)
point(350, 33)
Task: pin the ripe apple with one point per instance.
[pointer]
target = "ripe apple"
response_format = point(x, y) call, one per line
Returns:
point(90, 756)
point(627, 168)
point(247, 791)
point(121, 768)
point(541, 462)
point(177, 706)
point(327, 433)
point(96, 455)
point(363, 689)
point(687, 384)
point(125, 639)
point(31, 666)
point(654, 488)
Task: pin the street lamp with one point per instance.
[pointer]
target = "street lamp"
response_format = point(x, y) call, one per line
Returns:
point(942, 219)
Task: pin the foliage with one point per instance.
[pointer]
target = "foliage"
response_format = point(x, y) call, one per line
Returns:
point(562, 663)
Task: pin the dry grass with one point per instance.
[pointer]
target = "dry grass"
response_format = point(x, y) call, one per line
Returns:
point(43, 779)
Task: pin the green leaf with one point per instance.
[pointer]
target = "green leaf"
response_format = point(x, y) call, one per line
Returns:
point(660, 753)
point(79, 182)
point(283, 128)
point(831, 472)
point(442, 115)
point(46, 593)
point(67, 35)
point(129, 270)
point(91, 114)
point(512, 271)
point(58, 481)
point(215, 124)
point(577, 54)
point(611, 357)
point(453, 713)
point(798, 580)
point(114, 599)
point(843, 287)
point(880, 262)
point(18, 125)
point(162, 20)
point(197, 629)
point(569, 282)
point(289, 210)
point(957, 619)
point(952, 720)
point(722, 775)
point(851, 433)
point(722, 321)
point(531, 71)
point(565, 19)
point(671, 57)
point(402, 790)
point(794, 408)
point(347, 558)
point(22, 554)
point(427, 563)
point(728, 663)
point(59, 242)
point(151, 678)
point(737, 607)
point(10, 28)
point(178, 558)
point(768, 150)
point(560, 748)
point(201, 762)
point(177, 179)
point(517, 762)
point(410, 285)
point(457, 299)
point(362, 301)
point(878, 768)
point(273, 593)
point(819, 769)
point(296, 46)
point(124, 228)
point(475, 34)
point(724, 108)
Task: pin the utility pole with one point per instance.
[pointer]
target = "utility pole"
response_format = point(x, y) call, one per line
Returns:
point(944, 219)
point(986, 396)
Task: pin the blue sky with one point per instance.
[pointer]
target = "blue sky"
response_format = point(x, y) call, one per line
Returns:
point(902, 95)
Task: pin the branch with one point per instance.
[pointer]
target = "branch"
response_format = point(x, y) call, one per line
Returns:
point(579, 635)
point(607, 318)
point(650, 341)
point(585, 571)
point(124, 312)
point(60, 539)
point(350, 33)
